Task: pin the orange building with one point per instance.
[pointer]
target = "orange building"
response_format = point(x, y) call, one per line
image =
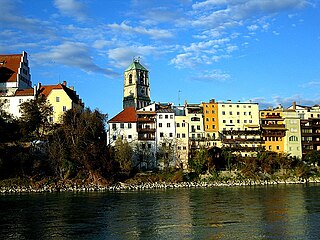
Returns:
point(211, 123)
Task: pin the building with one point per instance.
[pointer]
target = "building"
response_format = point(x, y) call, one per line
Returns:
point(123, 125)
point(136, 91)
point(182, 137)
point(273, 129)
point(61, 98)
point(15, 82)
point(239, 127)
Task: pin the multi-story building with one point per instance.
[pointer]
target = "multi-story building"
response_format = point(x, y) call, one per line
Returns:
point(15, 82)
point(309, 126)
point(273, 129)
point(61, 98)
point(211, 123)
point(182, 136)
point(123, 125)
point(239, 127)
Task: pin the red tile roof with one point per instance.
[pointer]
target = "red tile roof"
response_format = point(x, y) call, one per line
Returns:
point(46, 90)
point(9, 65)
point(126, 115)
point(25, 92)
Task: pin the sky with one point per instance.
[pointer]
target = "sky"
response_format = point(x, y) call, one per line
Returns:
point(264, 51)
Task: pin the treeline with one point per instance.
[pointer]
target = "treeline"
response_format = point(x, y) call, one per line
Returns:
point(31, 146)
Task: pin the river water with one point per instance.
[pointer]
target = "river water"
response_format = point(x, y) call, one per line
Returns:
point(261, 212)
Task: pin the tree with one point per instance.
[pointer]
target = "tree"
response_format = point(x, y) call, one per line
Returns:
point(35, 118)
point(82, 137)
point(123, 154)
point(166, 153)
point(199, 162)
point(312, 157)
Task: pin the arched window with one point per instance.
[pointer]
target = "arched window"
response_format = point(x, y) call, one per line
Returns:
point(293, 139)
point(141, 78)
point(130, 79)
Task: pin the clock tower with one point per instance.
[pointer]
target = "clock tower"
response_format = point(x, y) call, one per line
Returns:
point(136, 91)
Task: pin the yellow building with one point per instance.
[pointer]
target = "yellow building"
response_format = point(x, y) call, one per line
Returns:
point(273, 129)
point(61, 98)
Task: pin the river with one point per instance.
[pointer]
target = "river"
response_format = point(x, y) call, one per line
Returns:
point(260, 212)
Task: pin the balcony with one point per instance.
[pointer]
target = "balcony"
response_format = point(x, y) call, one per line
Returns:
point(242, 140)
point(146, 119)
point(241, 132)
point(273, 126)
point(273, 134)
point(146, 130)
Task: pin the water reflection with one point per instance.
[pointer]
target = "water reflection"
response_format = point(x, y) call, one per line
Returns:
point(280, 212)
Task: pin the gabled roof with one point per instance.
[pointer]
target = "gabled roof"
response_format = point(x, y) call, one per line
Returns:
point(9, 65)
point(46, 90)
point(25, 92)
point(127, 115)
point(135, 65)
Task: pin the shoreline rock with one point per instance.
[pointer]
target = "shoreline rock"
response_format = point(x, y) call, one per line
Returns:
point(120, 186)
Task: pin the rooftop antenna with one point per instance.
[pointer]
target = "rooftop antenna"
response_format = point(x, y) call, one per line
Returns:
point(179, 97)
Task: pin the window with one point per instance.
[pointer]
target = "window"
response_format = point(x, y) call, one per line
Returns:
point(129, 136)
point(223, 113)
point(212, 119)
point(64, 108)
point(231, 121)
point(183, 135)
point(238, 121)
point(129, 125)
point(161, 134)
point(168, 124)
point(179, 148)
point(57, 99)
point(207, 119)
point(238, 113)
point(178, 124)
point(213, 111)
point(230, 113)
point(20, 100)
point(114, 137)
point(114, 126)
point(270, 147)
point(122, 125)
point(244, 113)
point(184, 148)
point(183, 124)
point(149, 145)
point(198, 127)
point(245, 121)
point(249, 113)
point(166, 116)
point(160, 116)
point(171, 116)
point(213, 126)
point(160, 124)
point(278, 147)
point(293, 139)
point(130, 79)
point(224, 121)
point(250, 121)
point(51, 119)
point(170, 134)
point(178, 135)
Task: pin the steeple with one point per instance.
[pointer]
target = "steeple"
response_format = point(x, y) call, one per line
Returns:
point(136, 91)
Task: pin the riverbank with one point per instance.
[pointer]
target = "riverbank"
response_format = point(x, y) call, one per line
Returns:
point(122, 186)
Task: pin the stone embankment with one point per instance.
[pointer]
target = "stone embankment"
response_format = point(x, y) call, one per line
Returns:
point(69, 187)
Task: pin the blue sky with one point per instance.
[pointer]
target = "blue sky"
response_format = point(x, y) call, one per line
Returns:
point(266, 51)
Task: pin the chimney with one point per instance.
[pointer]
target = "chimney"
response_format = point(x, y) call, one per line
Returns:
point(294, 105)
point(64, 83)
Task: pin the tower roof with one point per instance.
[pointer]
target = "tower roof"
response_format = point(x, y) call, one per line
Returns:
point(9, 67)
point(136, 65)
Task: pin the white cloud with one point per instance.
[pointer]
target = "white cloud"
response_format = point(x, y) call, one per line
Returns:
point(124, 28)
point(71, 8)
point(213, 75)
point(121, 57)
point(72, 54)
point(312, 84)
point(253, 27)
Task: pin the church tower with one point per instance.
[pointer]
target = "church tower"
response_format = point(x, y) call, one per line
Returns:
point(136, 91)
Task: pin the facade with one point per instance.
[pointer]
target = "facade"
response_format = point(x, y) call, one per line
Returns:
point(239, 127)
point(136, 91)
point(273, 129)
point(15, 82)
point(14, 73)
point(182, 137)
point(123, 125)
point(61, 98)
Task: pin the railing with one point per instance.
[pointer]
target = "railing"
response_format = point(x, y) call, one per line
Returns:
point(273, 126)
point(147, 130)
